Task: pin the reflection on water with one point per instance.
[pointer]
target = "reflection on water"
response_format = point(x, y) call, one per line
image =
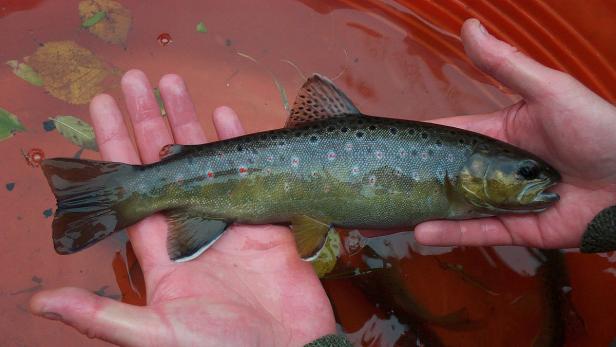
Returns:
point(399, 59)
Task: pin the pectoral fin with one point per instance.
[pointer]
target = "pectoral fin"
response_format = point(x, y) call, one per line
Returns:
point(310, 235)
point(190, 235)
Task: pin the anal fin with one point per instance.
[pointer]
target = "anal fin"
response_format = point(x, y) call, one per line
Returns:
point(310, 236)
point(191, 234)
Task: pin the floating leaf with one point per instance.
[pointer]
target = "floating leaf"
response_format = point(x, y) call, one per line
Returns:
point(112, 25)
point(49, 125)
point(159, 99)
point(76, 131)
point(97, 17)
point(25, 72)
point(201, 28)
point(70, 72)
point(325, 262)
point(48, 213)
point(9, 124)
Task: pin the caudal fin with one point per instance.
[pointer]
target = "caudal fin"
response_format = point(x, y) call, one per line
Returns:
point(87, 193)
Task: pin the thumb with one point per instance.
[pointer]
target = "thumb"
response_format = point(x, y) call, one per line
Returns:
point(508, 65)
point(98, 317)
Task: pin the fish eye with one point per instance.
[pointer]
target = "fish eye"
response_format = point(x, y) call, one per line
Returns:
point(529, 171)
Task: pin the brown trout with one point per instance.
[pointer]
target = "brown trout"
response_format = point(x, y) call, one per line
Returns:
point(331, 166)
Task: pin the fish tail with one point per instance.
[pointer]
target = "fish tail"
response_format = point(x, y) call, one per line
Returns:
point(87, 194)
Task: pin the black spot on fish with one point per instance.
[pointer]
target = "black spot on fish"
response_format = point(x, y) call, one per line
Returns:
point(372, 127)
point(10, 186)
point(461, 141)
point(330, 129)
point(393, 131)
point(240, 148)
point(48, 213)
point(298, 134)
point(313, 139)
point(474, 142)
point(439, 143)
point(424, 135)
point(344, 129)
point(359, 134)
point(430, 152)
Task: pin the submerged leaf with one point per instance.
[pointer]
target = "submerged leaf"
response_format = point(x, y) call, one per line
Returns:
point(97, 17)
point(325, 262)
point(70, 72)
point(25, 72)
point(76, 131)
point(159, 99)
point(201, 28)
point(106, 19)
point(9, 124)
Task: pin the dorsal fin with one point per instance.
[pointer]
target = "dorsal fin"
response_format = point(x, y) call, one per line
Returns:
point(319, 99)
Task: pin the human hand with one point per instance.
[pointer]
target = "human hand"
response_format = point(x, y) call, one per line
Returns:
point(561, 121)
point(249, 288)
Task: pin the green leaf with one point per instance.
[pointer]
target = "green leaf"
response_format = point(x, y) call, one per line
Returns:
point(9, 124)
point(95, 18)
point(25, 72)
point(159, 99)
point(201, 28)
point(76, 131)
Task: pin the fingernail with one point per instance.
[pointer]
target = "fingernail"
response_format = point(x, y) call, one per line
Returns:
point(51, 315)
point(482, 29)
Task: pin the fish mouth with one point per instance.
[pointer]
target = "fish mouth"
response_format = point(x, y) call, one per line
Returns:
point(541, 198)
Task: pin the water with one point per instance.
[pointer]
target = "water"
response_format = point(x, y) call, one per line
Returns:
point(400, 59)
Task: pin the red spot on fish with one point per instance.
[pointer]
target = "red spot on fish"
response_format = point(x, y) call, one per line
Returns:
point(34, 157)
point(243, 170)
point(165, 151)
point(331, 155)
point(294, 161)
point(210, 174)
point(164, 39)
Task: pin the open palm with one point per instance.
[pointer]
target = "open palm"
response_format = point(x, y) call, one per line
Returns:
point(561, 121)
point(250, 288)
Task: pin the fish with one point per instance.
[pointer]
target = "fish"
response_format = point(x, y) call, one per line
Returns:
point(329, 167)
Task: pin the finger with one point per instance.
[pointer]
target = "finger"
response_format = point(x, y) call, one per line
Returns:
point(487, 231)
point(149, 126)
point(227, 123)
point(112, 137)
point(507, 64)
point(98, 317)
point(181, 111)
point(115, 145)
point(148, 237)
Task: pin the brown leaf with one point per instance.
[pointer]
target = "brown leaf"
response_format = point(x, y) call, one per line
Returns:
point(113, 27)
point(70, 72)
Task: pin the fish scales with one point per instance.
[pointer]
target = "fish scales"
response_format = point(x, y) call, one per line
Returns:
point(357, 173)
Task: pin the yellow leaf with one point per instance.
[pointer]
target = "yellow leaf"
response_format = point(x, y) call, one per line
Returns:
point(326, 261)
point(70, 72)
point(113, 27)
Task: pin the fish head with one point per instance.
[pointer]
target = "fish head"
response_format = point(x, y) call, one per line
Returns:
point(505, 179)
